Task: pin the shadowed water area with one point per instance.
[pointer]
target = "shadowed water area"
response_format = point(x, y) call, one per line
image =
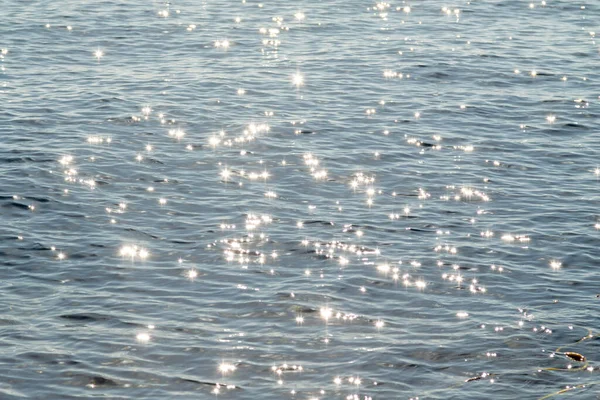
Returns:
point(300, 200)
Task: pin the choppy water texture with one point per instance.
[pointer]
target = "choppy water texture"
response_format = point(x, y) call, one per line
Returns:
point(300, 200)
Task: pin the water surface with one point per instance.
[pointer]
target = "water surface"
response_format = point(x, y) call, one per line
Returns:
point(299, 200)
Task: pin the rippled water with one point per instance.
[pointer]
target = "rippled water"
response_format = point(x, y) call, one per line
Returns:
point(297, 200)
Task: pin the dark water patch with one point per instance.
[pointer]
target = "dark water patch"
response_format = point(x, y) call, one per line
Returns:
point(324, 223)
point(17, 205)
point(35, 247)
point(85, 318)
point(138, 232)
point(102, 381)
point(49, 358)
point(576, 126)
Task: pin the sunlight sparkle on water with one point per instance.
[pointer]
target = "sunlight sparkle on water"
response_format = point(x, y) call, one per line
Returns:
point(223, 44)
point(66, 160)
point(225, 174)
point(143, 337)
point(192, 274)
point(326, 313)
point(98, 54)
point(254, 216)
point(176, 133)
point(134, 252)
point(225, 368)
point(298, 79)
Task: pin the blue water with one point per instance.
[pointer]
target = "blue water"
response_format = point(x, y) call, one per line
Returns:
point(299, 200)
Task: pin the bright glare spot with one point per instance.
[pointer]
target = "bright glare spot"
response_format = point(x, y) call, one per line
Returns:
point(176, 133)
point(214, 141)
point(223, 44)
point(134, 252)
point(298, 79)
point(143, 337)
point(98, 54)
point(326, 313)
point(226, 367)
point(66, 160)
point(143, 253)
point(192, 274)
point(225, 174)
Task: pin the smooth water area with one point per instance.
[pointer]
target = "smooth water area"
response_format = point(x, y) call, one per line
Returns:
point(300, 199)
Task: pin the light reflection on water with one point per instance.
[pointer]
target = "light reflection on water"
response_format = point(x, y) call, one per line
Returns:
point(299, 200)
